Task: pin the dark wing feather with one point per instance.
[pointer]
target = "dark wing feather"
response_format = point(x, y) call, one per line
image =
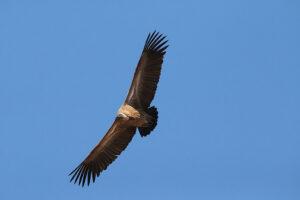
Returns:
point(105, 152)
point(147, 73)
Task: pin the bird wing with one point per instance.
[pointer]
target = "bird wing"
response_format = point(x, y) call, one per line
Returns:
point(147, 73)
point(104, 153)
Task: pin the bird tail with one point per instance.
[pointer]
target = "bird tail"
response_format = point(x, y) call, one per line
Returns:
point(152, 111)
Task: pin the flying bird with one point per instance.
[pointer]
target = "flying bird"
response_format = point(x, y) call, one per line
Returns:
point(135, 113)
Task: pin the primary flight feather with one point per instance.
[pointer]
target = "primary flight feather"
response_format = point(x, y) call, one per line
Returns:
point(134, 113)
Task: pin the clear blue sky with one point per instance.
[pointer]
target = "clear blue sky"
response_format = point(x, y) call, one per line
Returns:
point(228, 98)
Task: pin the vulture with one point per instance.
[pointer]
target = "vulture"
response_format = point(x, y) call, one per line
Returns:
point(135, 113)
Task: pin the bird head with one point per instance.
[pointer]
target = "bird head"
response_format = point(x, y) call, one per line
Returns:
point(122, 116)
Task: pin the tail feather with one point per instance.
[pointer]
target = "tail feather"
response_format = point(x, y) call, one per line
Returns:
point(144, 131)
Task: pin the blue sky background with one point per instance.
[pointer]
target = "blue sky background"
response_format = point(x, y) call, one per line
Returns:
point(228, 98)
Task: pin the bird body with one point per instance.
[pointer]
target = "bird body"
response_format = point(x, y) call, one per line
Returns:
point(134, 117)
point(134, 113)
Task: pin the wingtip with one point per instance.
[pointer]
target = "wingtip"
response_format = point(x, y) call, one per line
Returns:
point(155, 42)
point(73, 171)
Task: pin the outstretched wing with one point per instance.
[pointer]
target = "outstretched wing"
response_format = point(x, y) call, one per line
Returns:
point(147, 73)
point(105, 152)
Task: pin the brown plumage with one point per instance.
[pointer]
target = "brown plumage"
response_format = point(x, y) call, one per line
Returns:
point(134, 113)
